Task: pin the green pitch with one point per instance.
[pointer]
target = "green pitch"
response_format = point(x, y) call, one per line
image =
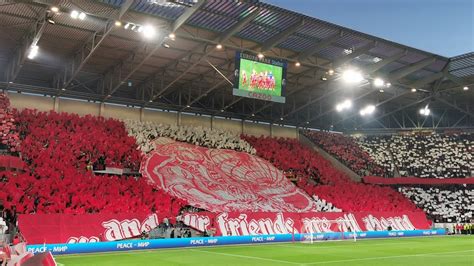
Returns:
point(448, 250)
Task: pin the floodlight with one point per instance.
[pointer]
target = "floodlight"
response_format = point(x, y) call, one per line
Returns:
point(74, 14)
point(425, 111)
point(82, 16)
point(465, 88)
point(260, 56)
point(413, 89)
point(149, 31)
point(172, 36)
point(33, 52)
point(369, 109)
point(347, 104)
point(55, 9)
point(118, 23)
point(50, 20)
point(297, 64)
point(378, 82)
point(352, 76)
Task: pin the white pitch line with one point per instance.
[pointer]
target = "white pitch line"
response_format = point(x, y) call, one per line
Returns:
point(245, 257)
point(388, 257)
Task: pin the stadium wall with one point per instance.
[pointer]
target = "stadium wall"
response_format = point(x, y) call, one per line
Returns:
point(80, 107)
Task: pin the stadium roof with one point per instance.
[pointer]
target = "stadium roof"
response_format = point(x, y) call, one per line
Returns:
point(96, 60)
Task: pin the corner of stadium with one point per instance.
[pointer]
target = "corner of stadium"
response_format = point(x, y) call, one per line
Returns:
point(227, 132)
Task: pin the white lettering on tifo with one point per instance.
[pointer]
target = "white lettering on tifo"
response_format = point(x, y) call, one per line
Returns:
point(241, 227)
point(397, 223)
point(117, 230)
point(199, 222)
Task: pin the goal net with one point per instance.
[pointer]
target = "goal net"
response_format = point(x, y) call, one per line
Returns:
point(326, 230)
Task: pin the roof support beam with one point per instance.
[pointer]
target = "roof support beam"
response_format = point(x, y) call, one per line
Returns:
point(366, 93)
point(377, 66)
point(397, 110)
point(347, 58)
point(405, 71)
point(396, 96)
point(30, 39)
point(116, 77)
point(319, 46)
point(119, 74)
point(280, 37)
point(217, 85)
point(83, 54)
point(186, 15)
point(124, 8)
point(428, 79)
point(454, 106)
point(237, 27)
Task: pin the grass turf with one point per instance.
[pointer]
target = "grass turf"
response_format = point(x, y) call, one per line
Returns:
point(447, 250)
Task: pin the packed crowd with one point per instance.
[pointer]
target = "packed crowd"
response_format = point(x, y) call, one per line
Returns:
point(60, 151)
point(9, 138)
point(146, 132)
point(425, 155)
point(347, 151)
point(421, 155)
point(377, 148)
point(452, 204)
point(318, 177)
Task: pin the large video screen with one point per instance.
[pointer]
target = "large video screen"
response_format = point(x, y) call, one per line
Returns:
point(256, 78)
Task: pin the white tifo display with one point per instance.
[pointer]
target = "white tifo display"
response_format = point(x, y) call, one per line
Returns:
point(339, 228)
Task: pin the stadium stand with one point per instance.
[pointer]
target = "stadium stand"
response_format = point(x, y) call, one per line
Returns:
point(8, 136)
point(429, 155)
point(444, 203)
point(146, 132)
point(377, 148)
point(346, 151)
point(425, 155)
point(318, 177)
point(60, 151)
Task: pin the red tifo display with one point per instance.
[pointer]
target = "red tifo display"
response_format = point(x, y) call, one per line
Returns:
point(222, 180)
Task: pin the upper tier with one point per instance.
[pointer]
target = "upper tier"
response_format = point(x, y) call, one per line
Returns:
point(420, 155)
